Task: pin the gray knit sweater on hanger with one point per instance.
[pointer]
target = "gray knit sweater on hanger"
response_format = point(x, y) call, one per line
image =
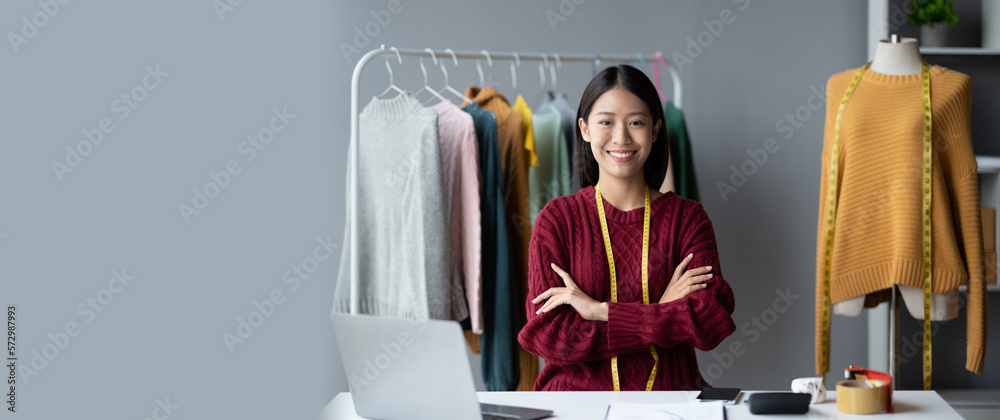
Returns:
point(402, 236)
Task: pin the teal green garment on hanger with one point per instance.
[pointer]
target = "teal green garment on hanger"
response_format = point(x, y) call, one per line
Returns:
point(560, 102)
point(498, 342)
point(552, 177)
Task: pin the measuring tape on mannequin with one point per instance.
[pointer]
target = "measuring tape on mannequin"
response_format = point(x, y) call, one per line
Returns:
point(831, 213)
point(614, 278)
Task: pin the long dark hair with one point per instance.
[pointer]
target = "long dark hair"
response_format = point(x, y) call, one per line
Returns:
point(636, 82)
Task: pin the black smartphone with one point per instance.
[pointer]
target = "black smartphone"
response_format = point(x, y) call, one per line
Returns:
point(726, 395)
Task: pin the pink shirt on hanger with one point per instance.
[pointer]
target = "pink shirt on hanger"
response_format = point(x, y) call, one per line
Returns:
point(459, 158)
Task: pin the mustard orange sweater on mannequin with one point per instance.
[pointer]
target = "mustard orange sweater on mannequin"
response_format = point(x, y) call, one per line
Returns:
point(877, 229)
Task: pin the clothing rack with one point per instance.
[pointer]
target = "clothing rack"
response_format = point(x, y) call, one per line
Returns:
point(455, 55)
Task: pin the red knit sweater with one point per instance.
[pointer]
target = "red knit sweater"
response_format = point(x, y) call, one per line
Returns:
point(578, 352)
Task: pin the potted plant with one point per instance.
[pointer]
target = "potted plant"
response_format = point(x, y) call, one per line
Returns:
point(934, 18)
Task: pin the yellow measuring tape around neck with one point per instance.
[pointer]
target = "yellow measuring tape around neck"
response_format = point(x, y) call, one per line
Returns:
point(831, 204)
point(614, 278)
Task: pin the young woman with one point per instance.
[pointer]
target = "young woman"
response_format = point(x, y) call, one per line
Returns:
point(634, 326)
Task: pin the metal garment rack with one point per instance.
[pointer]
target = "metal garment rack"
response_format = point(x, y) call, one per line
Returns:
point(455, 55)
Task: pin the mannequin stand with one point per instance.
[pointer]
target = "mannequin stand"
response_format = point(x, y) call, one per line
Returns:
point(894, 336)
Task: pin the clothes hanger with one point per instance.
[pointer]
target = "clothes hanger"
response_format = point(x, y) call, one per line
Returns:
point(540, 100)
point(392, 86)
point(541, 68)
point(656, 78)
point(489, 60)
point(479, 67)
point(674, 76)
point(552, 71)
point(426, 85)
point(552, 92)
point(447, 87)
point(513, 72)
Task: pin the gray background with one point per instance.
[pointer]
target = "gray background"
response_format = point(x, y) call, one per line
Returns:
point(162, 336)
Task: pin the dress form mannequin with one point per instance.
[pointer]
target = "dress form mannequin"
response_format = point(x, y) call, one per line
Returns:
point(897, 58)
point(902, 58)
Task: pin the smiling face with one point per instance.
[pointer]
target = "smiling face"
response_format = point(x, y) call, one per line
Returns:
point(621, 132)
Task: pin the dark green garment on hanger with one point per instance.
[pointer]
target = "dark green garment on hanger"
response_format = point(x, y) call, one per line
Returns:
point(685, 183)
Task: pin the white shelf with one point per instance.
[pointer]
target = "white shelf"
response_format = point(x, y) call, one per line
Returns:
point(989, 196)
point(989, 288)
point(988, 164)
point(957, 51)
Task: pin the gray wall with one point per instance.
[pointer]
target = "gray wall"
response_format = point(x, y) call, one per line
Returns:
point(163, 335)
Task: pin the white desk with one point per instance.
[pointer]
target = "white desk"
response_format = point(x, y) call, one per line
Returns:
point(592, 405)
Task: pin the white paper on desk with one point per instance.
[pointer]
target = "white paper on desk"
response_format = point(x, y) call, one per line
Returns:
point(674, 411)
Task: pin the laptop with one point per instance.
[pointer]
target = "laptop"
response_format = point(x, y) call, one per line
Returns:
point(405, 369)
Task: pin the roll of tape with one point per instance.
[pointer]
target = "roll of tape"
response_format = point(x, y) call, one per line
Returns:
point(862, 396)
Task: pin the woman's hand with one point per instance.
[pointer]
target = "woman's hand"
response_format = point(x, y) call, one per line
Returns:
point(588, 308)
point(686, 282)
